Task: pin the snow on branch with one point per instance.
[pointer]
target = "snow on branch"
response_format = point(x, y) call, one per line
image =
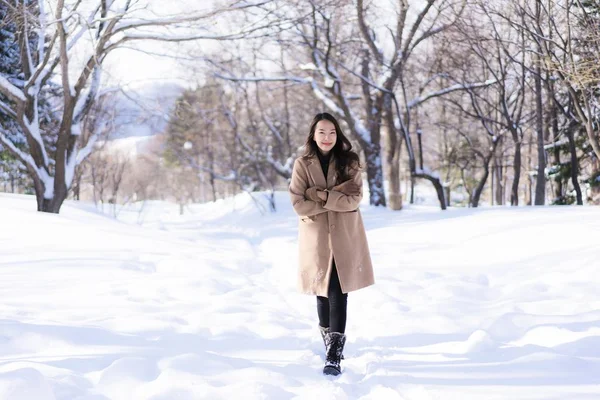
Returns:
point(33, 128)
point(559, 143)
point(326, 100)
point(87, 150)
point(11, 90)
point(5, 108)
point(284, 170)
point(25, 158)
point(427, 172)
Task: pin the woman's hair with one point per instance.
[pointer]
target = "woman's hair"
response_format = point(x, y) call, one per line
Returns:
point(342, 150)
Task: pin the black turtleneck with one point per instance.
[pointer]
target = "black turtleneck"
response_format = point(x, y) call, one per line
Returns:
point(324, 160)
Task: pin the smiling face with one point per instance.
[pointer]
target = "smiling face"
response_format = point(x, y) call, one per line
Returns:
point(325, 136)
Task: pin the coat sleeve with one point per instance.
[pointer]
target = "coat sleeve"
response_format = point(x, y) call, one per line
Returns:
point(338, 201)
point(298, 185)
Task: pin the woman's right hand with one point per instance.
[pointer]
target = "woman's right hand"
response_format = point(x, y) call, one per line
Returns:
point(312, 193)
point(349, 188)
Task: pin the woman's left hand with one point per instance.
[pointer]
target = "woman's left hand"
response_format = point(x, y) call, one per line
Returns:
point(314, 194)
point(322, 195)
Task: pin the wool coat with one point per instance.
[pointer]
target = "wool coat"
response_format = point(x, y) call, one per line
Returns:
point(328, 230)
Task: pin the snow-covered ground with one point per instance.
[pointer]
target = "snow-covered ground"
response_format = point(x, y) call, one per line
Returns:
point(493, 303)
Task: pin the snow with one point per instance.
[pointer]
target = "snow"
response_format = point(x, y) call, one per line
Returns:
point(556, 144)
point(384, 77)
point(308, 67)
point(7, 142)
point(34, 131)
point(329, 103)
point(490, 303)
point(11, 89)
point(329, 82)
point(427, 171)
point(76, 129)
point(48, 182)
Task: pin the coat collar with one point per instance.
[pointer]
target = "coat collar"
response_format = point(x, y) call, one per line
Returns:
point(314, 166)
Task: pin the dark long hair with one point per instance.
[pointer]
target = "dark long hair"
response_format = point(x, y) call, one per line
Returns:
point(345, 158)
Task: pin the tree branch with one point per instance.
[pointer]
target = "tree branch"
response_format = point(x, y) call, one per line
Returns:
point(460, 86)
point(364, 29)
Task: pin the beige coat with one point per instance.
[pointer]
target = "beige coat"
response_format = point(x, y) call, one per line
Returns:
point(331, 230)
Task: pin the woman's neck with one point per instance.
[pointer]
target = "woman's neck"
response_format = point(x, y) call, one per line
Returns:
point(323, 153)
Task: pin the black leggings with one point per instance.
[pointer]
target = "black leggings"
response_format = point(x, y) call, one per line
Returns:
point(332, 309)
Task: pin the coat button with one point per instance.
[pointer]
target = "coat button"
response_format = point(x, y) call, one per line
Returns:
point(332, 226)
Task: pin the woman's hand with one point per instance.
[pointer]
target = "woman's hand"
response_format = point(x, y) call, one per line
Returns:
point(314, 194)
point(349, 188)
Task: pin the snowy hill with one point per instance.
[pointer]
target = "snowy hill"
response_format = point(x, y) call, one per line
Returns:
point(142, 115)
point(494, 303)
point(143, 111)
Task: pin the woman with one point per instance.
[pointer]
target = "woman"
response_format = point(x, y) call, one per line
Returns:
point(326, 190)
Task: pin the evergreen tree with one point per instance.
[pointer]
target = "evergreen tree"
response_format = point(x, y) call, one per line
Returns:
point(11, 171)
point(586, 47)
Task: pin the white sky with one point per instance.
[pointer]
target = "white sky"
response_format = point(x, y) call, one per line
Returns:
point(140, 63)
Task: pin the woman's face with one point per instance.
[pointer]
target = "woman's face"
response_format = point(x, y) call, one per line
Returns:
point(325, 136)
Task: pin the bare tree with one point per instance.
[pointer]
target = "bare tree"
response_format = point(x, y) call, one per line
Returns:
point(110, 25)
point(357, 81)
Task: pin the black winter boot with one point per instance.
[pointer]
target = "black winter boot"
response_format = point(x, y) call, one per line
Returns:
point(324, 332)
point(334, 346)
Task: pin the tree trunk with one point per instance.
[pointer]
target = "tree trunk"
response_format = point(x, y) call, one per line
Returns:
point(52, 205)
point(486, 172)
point(419, 137)
point(514, 192)
point(392, 158)
point(595, 187)
point(498, 172)
point(479, 189)
point(491, 190)
point(558, 188)
point(77, 187)
point(552, 125)
point(437, 184)
point(374, 175)
point(395, 194)
point(272, 204)
point(498, 175)
point(540, 184)
point(574, 167)
point(529, 184)
point(211, 176)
